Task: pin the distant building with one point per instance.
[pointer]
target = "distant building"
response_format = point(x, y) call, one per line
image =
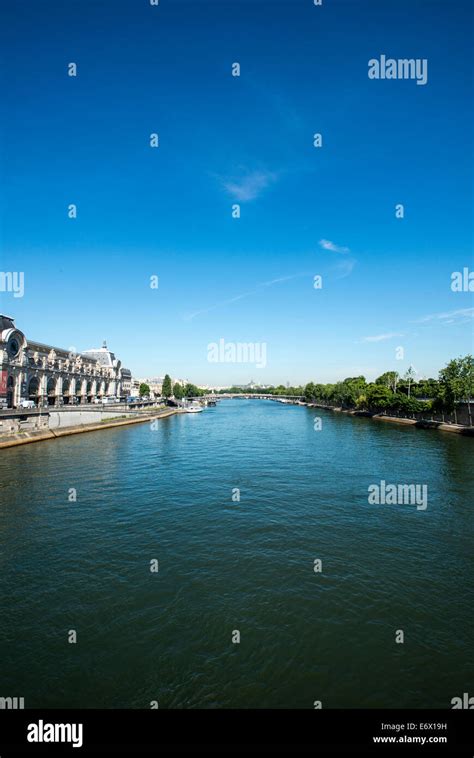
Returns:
point(213, 388)
point(134, 387)
point(250, 386)
point(155, 386)
point(106, 358)
point(126, 382)
point(50, 375)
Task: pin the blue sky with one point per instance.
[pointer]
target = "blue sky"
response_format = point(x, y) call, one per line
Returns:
point(223, 140)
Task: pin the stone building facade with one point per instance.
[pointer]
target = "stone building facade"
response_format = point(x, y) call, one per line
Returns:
point(50, 375)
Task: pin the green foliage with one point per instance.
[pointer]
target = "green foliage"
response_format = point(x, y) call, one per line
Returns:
point(191, 390)
point(361, 402)
point(389, 392)
point(389, 379)
point(426, 388)
point(166, 390)
point(380, 397)
point(309, 392)
point(351, 389)
point(144, 389)
point(457, 380)
point(178, 391)
point(344, 393)
point(280, 390)
point(404, 404)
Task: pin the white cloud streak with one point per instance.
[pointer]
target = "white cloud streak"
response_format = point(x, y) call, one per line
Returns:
point(258, 288)
point(450, 317)
point(382, 337)
point(328, 245)
point(249, 186)
point(345, 268)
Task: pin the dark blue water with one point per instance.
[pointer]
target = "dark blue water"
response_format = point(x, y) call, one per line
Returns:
point(166, 494)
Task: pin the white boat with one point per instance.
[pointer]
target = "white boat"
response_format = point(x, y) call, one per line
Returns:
point(193, 408)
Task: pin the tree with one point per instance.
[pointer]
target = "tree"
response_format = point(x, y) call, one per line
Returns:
point(404, 404)
point(178, 391)
point(426, 388)
point(144, 389)
point(361, 402)
point(192, 391)
point(166, 390)
point(352, 388)
point(409, 377)
point(467, 382)
point(389, 379)
point(380, 397)
point(457, 383)
point(309, 391)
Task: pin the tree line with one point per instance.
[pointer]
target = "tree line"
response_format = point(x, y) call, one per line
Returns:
point(178, 391)
point(390, 391)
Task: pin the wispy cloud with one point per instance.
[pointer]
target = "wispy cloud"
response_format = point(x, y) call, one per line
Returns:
point(258, 288)
point(382, 337)
point(328, 245)
point(460, 316)
point(449, 317)
point(249, 185)
point(345, 267)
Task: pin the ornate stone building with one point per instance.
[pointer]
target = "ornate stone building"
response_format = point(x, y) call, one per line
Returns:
point(52, 376)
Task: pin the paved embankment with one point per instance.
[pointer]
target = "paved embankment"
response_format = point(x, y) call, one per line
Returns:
point(23, 438)
point(427, 424)
point(419, 423)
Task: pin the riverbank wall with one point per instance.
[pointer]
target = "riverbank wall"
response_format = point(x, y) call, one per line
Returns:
point(45, 432)
point(418, 421)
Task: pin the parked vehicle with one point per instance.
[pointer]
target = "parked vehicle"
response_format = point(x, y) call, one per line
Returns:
point(110, 400)
point(26, 403)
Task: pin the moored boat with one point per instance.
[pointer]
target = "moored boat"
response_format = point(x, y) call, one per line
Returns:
point(193, 408)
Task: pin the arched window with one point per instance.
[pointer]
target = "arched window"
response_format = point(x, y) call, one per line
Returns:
point(66, 385)
point(51, 391)
point(10, 391)
point(33, 390)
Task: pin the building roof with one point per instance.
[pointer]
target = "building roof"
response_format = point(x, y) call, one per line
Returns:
point(6, 322)
point(40, 347)
point(102, 355)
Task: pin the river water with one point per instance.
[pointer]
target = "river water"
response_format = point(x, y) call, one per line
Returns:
point(228, 565)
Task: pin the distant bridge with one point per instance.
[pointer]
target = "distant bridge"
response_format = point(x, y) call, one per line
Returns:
point(248, 396)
